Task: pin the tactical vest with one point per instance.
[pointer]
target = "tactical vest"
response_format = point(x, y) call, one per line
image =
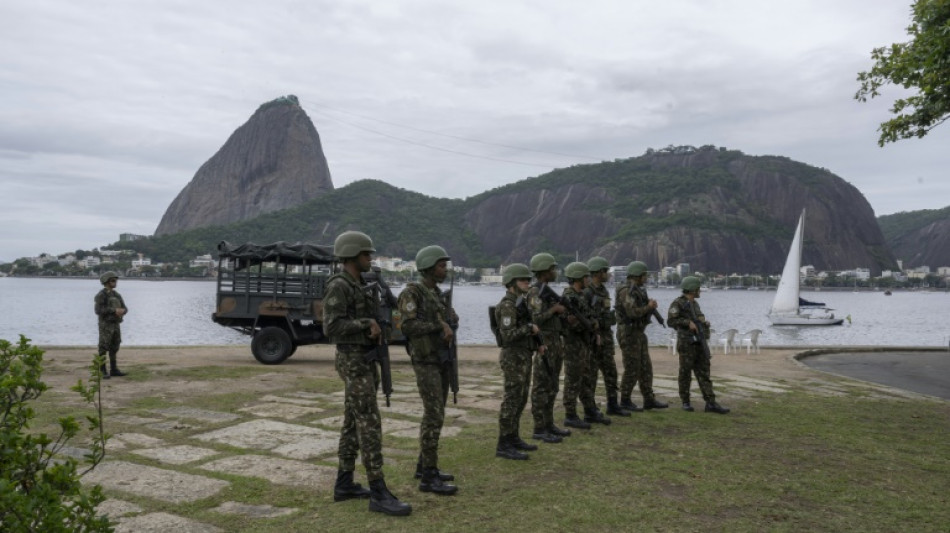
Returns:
point(360, 304)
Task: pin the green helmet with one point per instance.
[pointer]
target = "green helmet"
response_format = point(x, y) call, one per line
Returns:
point(429, 256)
point(598, 263)
point(515, 271)
point(636, 269)
point(106, 276)
point(690, 284)
point(351, 244)
point(576, 270)
point(542, 262)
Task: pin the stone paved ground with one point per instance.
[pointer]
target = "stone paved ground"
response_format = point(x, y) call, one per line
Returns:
point(287, 434)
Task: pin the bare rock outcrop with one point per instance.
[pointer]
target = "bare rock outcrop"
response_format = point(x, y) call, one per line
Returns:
point(273, 161)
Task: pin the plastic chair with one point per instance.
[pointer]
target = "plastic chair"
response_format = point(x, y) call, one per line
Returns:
point(750, 340)
point(727, 340)
point(671, 341)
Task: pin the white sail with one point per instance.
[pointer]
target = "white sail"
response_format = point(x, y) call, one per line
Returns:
point(786, 308)
point(786, 296)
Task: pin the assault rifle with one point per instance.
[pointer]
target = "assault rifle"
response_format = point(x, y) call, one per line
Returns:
point(380, 353)
point(700, 336)
point(548, 295)
point(449, 354)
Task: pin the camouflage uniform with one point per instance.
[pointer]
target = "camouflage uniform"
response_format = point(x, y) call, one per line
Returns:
point(577, 358)
point(602, 356)
point(633, 317)
point(423, 312)
point(110, 334)
point(517, 345)
point(347, 313)
point(547, 367)
point(691, 355)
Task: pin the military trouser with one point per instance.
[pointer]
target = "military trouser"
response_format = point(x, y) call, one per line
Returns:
point(516, 369)
point(576, 373)
point(693, 360)
point(602, 360)
point(547, 372)
point(362, 432)
point(637, 366)
point(110, 337)
point(433, 383)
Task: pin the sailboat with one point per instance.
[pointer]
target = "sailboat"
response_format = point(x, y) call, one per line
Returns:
point(787, 308)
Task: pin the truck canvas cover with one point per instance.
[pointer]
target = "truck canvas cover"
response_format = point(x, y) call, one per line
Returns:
point(297, 253)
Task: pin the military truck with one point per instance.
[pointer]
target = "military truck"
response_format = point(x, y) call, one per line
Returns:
point(274, 294)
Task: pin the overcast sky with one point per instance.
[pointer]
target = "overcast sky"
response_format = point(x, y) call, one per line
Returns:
point(108, 108)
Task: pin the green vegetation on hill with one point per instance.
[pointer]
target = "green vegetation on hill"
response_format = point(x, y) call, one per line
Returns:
point(402, 221)
point(898, 224)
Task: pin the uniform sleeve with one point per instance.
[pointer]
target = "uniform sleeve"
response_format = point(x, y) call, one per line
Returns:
point(102, 304)
point(540, 313)
point(676, 318)
point(122, 303)
point(414, 325)
point(507, 316)
point(635, 310)
point(336, 321)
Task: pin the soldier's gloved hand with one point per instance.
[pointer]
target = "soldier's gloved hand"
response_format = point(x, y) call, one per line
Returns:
point(558, 309)
point(447, 333)
point(374, 329)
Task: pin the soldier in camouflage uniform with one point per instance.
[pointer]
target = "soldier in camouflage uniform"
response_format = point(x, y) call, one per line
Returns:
point(602, 354)
point(577, 342)
point(634, 310)
point(349, 320)
point(110, 308)
point(547, 365)
point(683, 314)
point(425, 323)
point(518, 342)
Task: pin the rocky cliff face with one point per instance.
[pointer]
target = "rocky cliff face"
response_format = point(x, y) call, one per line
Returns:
point(718, 211)
point(272, 162)
point(919, 238)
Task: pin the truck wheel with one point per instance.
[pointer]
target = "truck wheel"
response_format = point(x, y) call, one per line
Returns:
point(272, 346)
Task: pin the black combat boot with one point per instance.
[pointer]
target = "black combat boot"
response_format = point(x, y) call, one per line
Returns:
point(520, 444)
point(594, 416)
point(445, 476)
point(543, 435)
point(346, 489)
point(431, 482)
point(506, 450)
point(627, 403)
point(687, 406)
point(713, 407)
point(653, 403)
point(554, 430)
point(383, 501)
point(103, 372)
point(613, 408)
point(114, 367)
point(573, 421)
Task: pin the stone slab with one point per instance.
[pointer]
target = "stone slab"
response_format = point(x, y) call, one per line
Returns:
point(285, 399)
point(137, 439)
point(176, 455)
point(117, 508)
point(253, 511)
point(193, 413)
point(290, 440)
point(133, 420)
point(151, 482)
point(276, 470)
point(280, 410)
point(171, 425)
point(163, 523)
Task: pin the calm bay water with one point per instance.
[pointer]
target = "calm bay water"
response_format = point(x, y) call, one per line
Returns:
point(60, 312)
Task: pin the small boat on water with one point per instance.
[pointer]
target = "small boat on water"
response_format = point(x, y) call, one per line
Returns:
point(887, 293)
point(788, 308)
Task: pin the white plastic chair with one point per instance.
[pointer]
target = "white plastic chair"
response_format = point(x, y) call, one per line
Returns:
point(727, 340)
point(750, 340)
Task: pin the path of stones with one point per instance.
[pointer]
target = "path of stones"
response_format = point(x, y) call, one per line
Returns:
point(290, 437)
